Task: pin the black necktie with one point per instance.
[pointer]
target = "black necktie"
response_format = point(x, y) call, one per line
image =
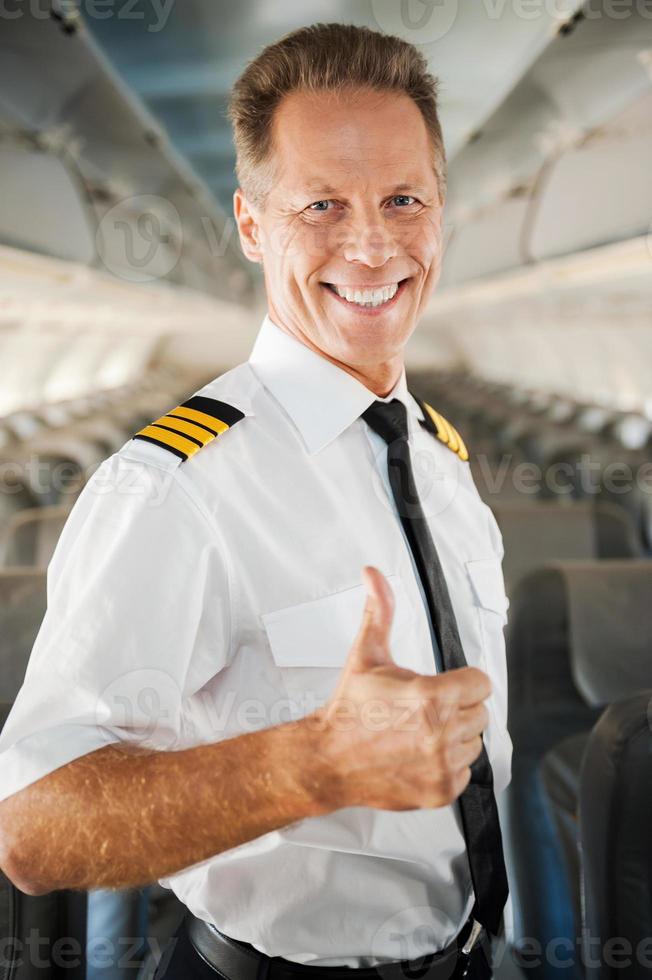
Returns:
point(477, 803)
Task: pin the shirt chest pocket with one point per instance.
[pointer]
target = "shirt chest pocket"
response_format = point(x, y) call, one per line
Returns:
point(488, 591)
point(310, 641)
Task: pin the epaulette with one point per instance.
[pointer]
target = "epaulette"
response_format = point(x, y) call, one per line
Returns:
point(442, 428)
point(190, 426)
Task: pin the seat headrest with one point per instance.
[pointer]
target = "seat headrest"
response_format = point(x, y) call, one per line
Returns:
point(610, 627)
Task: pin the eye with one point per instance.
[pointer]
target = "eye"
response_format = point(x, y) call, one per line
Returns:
point(319, 206)
point(403, 200)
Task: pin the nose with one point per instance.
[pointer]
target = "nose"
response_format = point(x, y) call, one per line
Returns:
point(368, 240)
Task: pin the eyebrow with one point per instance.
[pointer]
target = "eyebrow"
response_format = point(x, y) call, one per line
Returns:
point(400, 188)
point(316, 187)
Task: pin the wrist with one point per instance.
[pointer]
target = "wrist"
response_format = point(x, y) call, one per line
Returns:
point(313, 768)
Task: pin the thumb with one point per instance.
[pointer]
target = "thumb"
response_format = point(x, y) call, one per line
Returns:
point(371, 645)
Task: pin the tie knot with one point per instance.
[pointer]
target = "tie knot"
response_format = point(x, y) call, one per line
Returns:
point(388, 419)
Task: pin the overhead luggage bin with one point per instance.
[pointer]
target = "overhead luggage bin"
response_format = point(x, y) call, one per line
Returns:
point(36, 182)
point(584, 200)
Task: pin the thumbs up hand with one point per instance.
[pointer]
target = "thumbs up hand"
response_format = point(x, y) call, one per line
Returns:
point(392, 738)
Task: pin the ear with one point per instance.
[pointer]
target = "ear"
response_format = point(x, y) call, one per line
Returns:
point(248, 229)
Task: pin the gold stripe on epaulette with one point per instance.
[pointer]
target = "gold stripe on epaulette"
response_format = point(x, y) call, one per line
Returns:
point(194, 416)
point(186, 428)
point(447, 433)
point(462, 452)
point(168, 438)
point(190, 426)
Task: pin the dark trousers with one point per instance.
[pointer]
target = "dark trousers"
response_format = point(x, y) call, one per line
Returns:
point(181, 961)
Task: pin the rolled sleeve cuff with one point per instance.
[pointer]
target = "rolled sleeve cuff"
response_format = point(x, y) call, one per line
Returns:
point(36, 756)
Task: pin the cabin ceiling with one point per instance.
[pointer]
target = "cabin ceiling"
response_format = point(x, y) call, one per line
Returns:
point(183, 60)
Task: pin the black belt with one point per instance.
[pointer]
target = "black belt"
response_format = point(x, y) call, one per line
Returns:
point(236, 960)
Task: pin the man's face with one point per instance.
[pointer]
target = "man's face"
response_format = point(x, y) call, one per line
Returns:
point(350, 233)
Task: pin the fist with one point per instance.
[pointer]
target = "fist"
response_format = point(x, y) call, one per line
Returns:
point(392, 738)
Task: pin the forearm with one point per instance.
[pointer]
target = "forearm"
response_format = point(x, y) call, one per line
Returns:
point(123, 817)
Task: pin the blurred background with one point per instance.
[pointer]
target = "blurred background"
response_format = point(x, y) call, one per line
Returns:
point(123, 289)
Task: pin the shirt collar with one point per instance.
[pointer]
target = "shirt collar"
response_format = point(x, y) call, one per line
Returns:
point(321, 399)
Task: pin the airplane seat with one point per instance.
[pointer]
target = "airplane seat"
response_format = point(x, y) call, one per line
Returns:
point(554, 429)
point(164, 912)
point(610, 662)
point(615, 817)
point(617, 534)
point(22, 607)
point(536, 531)
point(58, 466)
point(107, 434)
point(24, 424)
point(7, 437)
point(110, 925)
point(30, 537)
point(633, 497)
point(132, 417)
point(606, 471)
point(544, 707)
point(514, 428)
point(43, 937)
point(15, 494)
point(577, 640)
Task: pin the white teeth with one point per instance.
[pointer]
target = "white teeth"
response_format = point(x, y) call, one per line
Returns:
point(367, 297)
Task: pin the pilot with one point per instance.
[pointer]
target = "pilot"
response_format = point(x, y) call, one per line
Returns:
point(271, 674)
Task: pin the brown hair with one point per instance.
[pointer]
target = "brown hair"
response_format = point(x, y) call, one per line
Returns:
point(324, 57)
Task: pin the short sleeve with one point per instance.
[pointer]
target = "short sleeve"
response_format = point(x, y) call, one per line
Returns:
point(137, 619)
point(495, 534)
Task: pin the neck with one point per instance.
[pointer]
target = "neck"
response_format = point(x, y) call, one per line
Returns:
point(379, 377)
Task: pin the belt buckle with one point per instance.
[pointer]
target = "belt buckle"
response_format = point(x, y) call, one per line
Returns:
point(468, 946)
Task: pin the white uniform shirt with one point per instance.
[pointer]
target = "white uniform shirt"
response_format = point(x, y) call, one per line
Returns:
point(191, 601)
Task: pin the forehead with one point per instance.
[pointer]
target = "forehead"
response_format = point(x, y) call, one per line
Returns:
point(322, 138)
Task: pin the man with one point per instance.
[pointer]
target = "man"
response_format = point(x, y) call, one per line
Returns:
point(210, 701)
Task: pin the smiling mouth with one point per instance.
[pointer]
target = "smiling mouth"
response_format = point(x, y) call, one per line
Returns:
point(367, 298)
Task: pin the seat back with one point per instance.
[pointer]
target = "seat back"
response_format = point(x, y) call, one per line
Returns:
point(536, 532)
point(615, 817)
point(544, 708)
point(31, 535)
point(42, 937)
point(15, 494)
point(567, 657)
point(610, 628)
point(22, 607)
point(58, 464)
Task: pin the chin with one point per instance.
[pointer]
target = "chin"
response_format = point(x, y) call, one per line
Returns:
point(371, 350)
